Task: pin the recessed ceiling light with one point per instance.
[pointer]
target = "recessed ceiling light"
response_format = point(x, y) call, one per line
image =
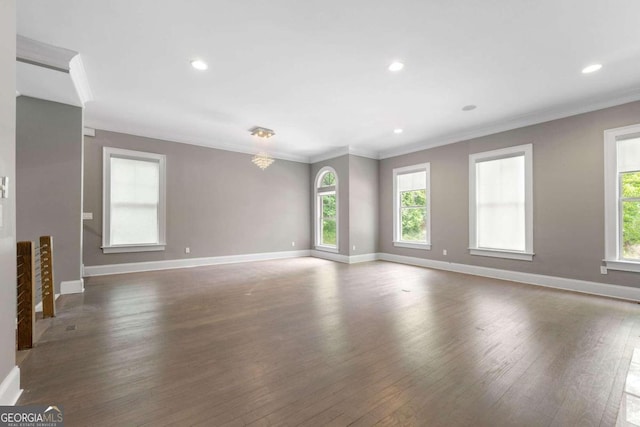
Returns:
point(397, 131)
point(469, 107)
point(199, 64)
point(591, 68)
point(396, 66)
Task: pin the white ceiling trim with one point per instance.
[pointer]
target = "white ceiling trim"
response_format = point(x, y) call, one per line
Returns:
point(513, 123)
point(227, 147)
point(517, 122)
point(370, 154)
point(45, 74)
point(80, 79)
point(43, 54)
point(332, 154)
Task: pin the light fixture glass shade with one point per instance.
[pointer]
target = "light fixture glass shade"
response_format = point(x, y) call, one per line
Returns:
point(262, 132)
point(262, 160)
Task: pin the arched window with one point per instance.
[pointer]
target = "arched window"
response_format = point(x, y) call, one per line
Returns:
point(326, 220)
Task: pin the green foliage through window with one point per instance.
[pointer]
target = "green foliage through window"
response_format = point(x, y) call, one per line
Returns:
point(329, 206)
point(328, 179)
point(630, 193)
point(329, 232)
point(329, 214)
point(413, 213)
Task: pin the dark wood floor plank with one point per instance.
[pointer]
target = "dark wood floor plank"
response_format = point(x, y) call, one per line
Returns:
point(311, 342)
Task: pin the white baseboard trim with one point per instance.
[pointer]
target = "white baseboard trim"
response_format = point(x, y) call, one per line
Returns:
point(72, 287)
point(583, 286)
point(354, 259)
point(10, 389)
point(331, 256)
point(39, 305)
point(345, 259)
point(136, 267)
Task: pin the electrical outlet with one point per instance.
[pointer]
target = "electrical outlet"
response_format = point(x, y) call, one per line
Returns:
point(603, 269)
point(187, 250)
point(444, 252)
point(293, 243)
point(87, 215)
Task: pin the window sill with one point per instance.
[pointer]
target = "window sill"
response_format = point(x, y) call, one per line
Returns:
point(496, 253)
point(132, 248)
point(327, 249)
point(423, 246)
point(623, 265)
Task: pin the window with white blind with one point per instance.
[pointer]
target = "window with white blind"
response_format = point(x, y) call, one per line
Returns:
point(501, 203)
point(622, 198)
point(133, 218)
point(412, 207)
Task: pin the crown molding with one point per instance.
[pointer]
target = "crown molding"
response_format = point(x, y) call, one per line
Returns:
point(56, 59)
point(80, 79)
point(331, 154)
point(347, 149)
point(497, 127)
point(362, 152)
point(42, 54)
point(189, 141)
point(524, 120)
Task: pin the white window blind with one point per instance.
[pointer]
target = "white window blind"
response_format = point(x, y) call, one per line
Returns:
point(501, 203)
point(500, 200)
point(134, 202)
point(629, 155)
point(135, 197)
point(412, 181)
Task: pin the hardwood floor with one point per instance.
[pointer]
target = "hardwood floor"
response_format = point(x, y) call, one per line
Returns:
point(312, 342)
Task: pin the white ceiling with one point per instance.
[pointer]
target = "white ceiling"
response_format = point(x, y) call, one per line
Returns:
point(316, 71)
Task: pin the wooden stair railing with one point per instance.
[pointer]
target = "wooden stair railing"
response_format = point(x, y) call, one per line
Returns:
point(46, 277)
point(26, 312)
point(27, 277)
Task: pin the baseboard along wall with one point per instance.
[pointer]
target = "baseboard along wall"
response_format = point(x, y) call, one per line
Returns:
point(10, 389)
point(137, 267)
point(583, 286)
point(72, 287)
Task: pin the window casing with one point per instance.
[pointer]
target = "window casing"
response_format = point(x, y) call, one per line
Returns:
point(622, 198)
point(133, 201)
point(412, 207)
point(326, 210)
point(501, 203)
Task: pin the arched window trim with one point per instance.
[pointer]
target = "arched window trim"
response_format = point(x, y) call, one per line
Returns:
point(319, 190)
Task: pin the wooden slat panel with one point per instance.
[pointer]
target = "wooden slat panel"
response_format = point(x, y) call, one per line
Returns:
point(46, 273)
point(26, 289)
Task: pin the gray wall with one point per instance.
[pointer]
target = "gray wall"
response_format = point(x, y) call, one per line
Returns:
point(49, 180)
point(357, 203)
point(568, 170)
point(7, 168)
point(341, 166)
point(218, 202)
point(363, 205)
